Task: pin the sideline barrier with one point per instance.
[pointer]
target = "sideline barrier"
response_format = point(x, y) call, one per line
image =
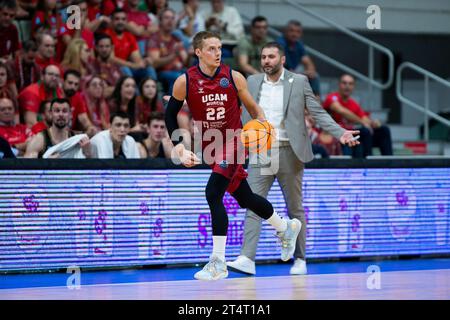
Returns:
point(119, 213)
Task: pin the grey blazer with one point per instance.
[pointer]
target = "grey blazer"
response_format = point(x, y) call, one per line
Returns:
point(297, 95)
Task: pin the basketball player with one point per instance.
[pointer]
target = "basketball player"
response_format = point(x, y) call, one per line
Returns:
point(213, 93)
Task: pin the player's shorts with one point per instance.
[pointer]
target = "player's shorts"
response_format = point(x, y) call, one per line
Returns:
point(234, 172)
point(228, 161)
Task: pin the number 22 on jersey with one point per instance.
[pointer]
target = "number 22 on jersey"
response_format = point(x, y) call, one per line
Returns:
point(213, 114)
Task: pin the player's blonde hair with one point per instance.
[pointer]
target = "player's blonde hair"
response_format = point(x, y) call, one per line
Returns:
point(197, 42)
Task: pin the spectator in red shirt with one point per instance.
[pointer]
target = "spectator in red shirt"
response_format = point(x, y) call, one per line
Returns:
point(46, 50)
point(47, 17)
point(98, 13)
point(24, 67)
point(323, 143)
point(104, 65)
point(139, 25)
point(80, 119)
point(348, 113)
point(147, 102)
point(44, 117)
point(16, 134)
point(97, 107)
point(126, 49)
point(98, 8)
point(167, 51)
point(9, 36)
point(80, 33)
point(47, 89)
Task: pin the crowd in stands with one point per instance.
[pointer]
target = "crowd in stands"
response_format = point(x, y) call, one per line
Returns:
point(102, 85)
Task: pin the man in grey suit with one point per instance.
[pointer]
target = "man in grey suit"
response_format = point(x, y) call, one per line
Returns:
point(283, 96)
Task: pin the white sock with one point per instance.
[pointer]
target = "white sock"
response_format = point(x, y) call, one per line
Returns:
point(277, 222)
point(219, 243)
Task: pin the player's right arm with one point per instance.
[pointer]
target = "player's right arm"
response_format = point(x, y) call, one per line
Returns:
point(255, 111)
point(175, 104)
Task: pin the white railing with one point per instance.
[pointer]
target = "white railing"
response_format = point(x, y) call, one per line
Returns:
point(425, 109)
point(372, 46)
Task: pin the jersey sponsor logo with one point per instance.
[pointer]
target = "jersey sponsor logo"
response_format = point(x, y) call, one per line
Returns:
point(214, 98)
point(224, 83)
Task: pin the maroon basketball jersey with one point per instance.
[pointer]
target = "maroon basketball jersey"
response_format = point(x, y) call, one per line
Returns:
point(213, 101)
point(214, 104)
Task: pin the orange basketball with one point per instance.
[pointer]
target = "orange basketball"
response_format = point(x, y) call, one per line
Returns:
point(257, 136)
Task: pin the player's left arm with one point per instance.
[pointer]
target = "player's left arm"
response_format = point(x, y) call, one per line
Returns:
point(255, 111)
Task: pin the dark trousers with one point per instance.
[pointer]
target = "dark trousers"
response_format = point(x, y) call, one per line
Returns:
point(381, 138)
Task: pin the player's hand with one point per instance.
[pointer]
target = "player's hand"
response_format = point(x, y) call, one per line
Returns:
point(187, 158)
point(263, 121)
point(348, 138)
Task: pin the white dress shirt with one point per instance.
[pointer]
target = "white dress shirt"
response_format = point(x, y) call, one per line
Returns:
point(271, 100)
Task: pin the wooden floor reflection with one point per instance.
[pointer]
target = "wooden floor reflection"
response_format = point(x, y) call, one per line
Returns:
point(423, 284)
